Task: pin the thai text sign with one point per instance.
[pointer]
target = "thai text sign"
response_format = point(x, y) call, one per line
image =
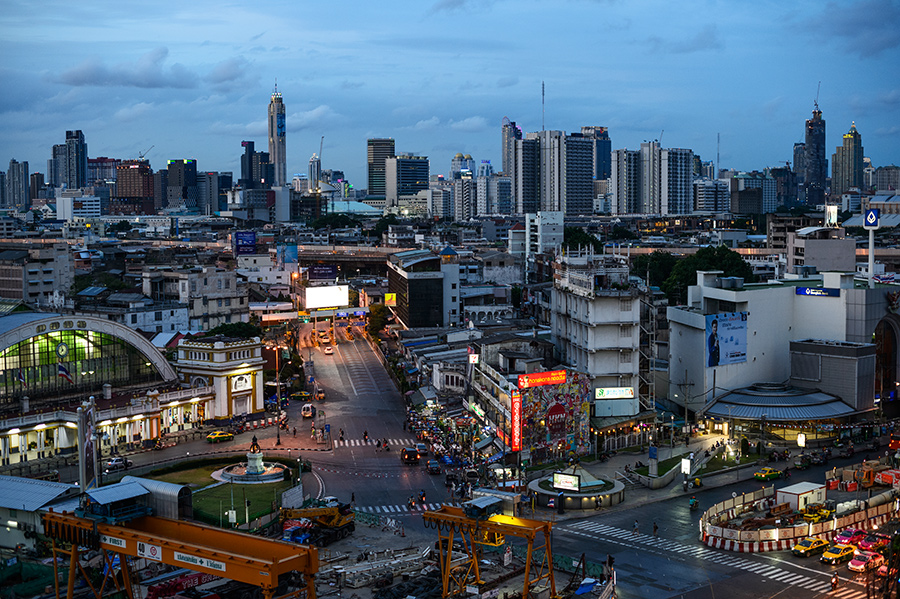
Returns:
point(516, 413)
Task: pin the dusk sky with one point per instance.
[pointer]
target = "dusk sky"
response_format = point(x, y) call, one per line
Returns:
point(193, 79)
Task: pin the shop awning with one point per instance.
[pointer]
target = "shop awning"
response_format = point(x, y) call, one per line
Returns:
point(494, 457)
point(479, 445)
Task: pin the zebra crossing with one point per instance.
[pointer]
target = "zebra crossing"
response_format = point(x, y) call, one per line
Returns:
point(403, 508)
point(359, 442)
point(671, 548)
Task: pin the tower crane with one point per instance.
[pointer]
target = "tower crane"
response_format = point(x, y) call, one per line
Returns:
point(145, 152)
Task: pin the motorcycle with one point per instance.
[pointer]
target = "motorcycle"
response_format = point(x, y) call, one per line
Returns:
point(834, 582)
point(694, 504)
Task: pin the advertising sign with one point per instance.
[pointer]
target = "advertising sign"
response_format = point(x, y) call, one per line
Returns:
point(390, 300)
point(566, 482)
point(244, 243)
point(328, 296)
point(473, 358)
point(537, 379)
point(872, 219)
point(515, 418)
point(322, 272)
point(614, 393)
point(726, 338)
point(818, 291)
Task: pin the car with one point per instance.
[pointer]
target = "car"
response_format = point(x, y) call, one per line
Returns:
point(118, 464)
point(219, 436)
point(864, 561)
point(301, 396)
point(837, 554)
point(767, 474)
point(810, 546)
point(422, 449)
point(433, 467)
point(328, 350)
point(874, 542)
point(850, 536)
point(409, 455)
point(308, 410)
point(320, 395)
point(882, 571)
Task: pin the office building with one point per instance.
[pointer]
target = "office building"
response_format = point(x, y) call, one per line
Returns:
point(509, 134)
point(102, 170)
point(601, 151)
point(461, 163)
point(425, 286)
point(887, 178)
point(182, 192)
point(526, 175)
point(76, 160)
point(378, 151)
point(35, 185)
point(494, 193)
point(815, 163)
point(56, 166)
point(847, 163)
point(404, 175)
point(160, 188)
point(212, 187)
point(134, 189)
point(277, 140)
point(17, 185)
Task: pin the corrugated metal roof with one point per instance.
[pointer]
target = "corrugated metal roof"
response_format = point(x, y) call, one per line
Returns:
point(774, 404)
point(28, 494)
point(119, 492)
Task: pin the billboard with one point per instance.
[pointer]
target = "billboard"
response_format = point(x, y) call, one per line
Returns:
point(327, 296)
point(566, 482)
point(614, 393)
point(537, 379)
point(390, 300)
point(322, 272)
point(87, 460)
point(515, 419)
point(726, 338)
point(244, 243)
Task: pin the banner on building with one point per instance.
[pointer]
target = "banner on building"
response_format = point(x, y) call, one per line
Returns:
point(537, 379)
point(390, 300)
point(515, 419)
point(244, 243)
point(322, 272)
point(726, 338)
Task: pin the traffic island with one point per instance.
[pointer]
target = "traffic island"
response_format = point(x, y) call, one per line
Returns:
point(578, 489)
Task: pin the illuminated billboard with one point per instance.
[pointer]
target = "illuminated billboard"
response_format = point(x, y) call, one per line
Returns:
point(567, 482)
point(390, 300)
point(322, 272)
point(515, 419)
point(537, 379)
point(327, 296)
point(244, 243)
point(614, 392)
point(726, 338)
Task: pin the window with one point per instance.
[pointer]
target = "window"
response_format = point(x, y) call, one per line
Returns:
point(219, 303)
point(625, 357)
point(452, 285)
point(227, 283)
point(625, 305)
point(452, 298)
point(134, 319)
point(625, 331)
point(219, 284)
point(157, 316)
point(227, 301)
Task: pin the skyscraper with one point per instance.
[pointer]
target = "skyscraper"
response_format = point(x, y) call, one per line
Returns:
point(509, 133)
point(816, 163)
point(676, 179)
point(56, 166)
point(17, 185)
point(404, 175)
point(847, 163)
point(526, 175)
point(134, 188)
point(76, 159)
point(315, 172)
point(182, 192)
point(601, 151)
point(277, 139)
point(379, 150)
point(650, 192)
point(625, 182)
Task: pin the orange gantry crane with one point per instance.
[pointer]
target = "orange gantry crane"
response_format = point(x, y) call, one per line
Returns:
point(452, 521)
point(229, 554)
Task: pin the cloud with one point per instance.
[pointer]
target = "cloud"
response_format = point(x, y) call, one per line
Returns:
point(352, 84)
point(887, 131)
point(231, 73)
point(705, 39)
point(450, 5)
point(507, 81)
point(891, 98)
point(133, 112)
point(244, 131)
point(428, 123)
point(257, 36)
point(472, 124)
point(148, 72)
point(317, 117)
point(867, 27)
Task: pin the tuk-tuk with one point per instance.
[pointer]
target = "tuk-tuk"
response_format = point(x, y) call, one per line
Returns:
point(802, 462)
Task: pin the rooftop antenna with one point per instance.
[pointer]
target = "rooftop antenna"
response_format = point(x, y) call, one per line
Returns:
point(816, 101)
point(660, 137)
point(542, 107)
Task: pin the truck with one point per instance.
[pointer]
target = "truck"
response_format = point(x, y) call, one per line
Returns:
point(320, 524)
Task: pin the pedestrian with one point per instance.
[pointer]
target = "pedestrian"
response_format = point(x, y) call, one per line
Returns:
point(352, 498)
point(634, 529)
point(404, 426)
point(342, 434)
point(655, 530)
point(295, 431)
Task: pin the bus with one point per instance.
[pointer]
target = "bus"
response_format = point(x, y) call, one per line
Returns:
point(895, 441)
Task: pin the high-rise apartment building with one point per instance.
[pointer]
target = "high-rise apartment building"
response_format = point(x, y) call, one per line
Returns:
point(35, 185)
point(134, 188)
point(461, 163)
point(160, 188)
point(76, 160)
point(676, 167)
point(378, 151)
point(509, 133)
point(494, 193)
point(525, 174)
point(465, 196)
point(847, 163)
point(816, 165)
point(56, 166)
point(315, 171)
point(565, 173)
point(277, 140)
point(17, 185)
point(102, 170)
point(887, 178)
point(212, 188)
point(650, 191)
point(602, 151)
point(625, 182)
point(182, 192)
point(711, 195)
point(404, 175)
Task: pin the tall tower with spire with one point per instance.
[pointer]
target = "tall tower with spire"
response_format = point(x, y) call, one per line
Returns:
point(277, 138)
point(847, 163)
point(816, 162)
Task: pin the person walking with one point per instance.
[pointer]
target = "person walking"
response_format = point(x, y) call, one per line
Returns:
point(634, 529)
point(655, 530)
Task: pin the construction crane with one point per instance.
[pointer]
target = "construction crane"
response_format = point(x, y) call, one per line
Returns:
point(816, 101)
point(472, 531)
point(144, 153)
point(321, 144)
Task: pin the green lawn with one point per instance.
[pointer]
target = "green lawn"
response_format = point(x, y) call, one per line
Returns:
point(664, 466)
point(210, 504)
point(718, 463)
point(195, 478)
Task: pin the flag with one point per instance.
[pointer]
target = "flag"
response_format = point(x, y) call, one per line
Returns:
point(64, 373)
point(22, 378)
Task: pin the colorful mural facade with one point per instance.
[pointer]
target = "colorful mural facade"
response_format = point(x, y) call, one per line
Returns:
point(556, 418)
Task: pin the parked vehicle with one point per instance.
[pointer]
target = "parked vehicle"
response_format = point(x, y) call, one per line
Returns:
point(118, 464)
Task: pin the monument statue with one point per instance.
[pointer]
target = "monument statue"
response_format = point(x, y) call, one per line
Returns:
point(254, 446)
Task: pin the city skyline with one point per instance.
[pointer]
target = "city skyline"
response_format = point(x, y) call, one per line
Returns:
point(194, 82)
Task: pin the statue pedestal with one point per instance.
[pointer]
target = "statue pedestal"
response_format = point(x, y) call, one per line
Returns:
point(255, 463)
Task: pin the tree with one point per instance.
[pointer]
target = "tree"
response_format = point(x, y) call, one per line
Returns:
point(620, 232)
point(378, 315)
point(353, 298)
point(659, 264)
point(382, 224)
point(239, 330)
point(334, 221)
point(574, 237)
point(684, 273)
point(122, 226)
point(515, 296)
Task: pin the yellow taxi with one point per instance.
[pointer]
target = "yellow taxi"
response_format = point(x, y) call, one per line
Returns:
point(767, 474)
point(837, 554)
point(217, 436)
point(809, 546)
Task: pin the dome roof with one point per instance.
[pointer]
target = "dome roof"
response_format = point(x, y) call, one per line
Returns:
point(458, 155)
point(468, 157)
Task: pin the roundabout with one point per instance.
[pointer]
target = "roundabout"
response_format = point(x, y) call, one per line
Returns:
point(578, 489)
